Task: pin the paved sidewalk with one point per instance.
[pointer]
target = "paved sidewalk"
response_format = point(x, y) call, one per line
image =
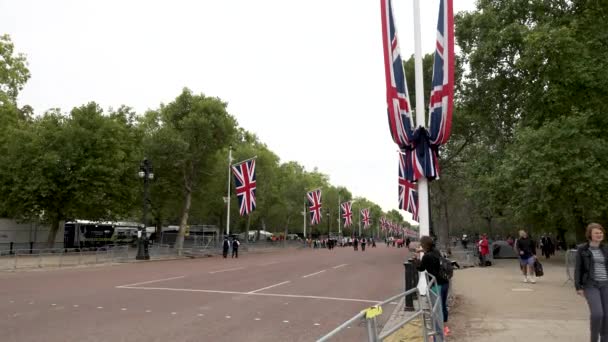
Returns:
point(494, 304)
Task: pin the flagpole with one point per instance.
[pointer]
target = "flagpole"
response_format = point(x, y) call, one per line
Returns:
point(359, 221)
point(229, 176)
point(304, 214)
point(423, 187)
point(339, 216)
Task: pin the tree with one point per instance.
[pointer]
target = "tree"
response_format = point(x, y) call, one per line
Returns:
point(188, 133)
point(13, 71)
point(65, 167)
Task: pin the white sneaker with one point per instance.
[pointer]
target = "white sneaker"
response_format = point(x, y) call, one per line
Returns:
point(533, 279)
point(525, 279)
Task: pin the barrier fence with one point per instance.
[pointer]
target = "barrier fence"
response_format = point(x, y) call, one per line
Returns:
point(429, 312)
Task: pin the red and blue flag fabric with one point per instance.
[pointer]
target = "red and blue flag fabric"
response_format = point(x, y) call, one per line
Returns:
point(365, 218)
point(408, 195)
point(314, 203)
point(245, 185)
point(442, 91)
point(346, 213)
point(419, 145)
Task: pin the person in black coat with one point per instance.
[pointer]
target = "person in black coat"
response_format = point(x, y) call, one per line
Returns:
point(591, 279)
point(225, 247)
point(431, 262)
point(235, 248)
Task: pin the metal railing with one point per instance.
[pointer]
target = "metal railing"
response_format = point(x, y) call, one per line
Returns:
point(429, 311)
point(62, 257)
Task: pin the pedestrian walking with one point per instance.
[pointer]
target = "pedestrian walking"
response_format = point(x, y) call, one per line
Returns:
point(225, 247)
point(373, 243)
point(363, 242)
point(484, 250)
point(407, 242)
point(235, 248)
point(526, 248)
point(356, 243)
point(431, 262)
point(591, 279)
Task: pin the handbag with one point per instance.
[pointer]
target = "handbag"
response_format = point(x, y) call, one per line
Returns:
point(538, 268)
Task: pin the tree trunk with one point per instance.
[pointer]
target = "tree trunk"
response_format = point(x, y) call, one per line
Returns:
point(247, 227)
point(179, 243)
point(444, 234)
point(50, 241)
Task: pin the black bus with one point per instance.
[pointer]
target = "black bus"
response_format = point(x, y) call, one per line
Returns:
point(87, 234)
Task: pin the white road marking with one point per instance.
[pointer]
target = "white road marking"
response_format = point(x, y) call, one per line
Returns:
point(228, 317)
point(53, 304)
point(149, 282)
point(30, 303)
point(257, 319)
point(268, 287)
point(253, 294)
point(148, 310)
point(174, 313)
point(226, 270)
point(100, 307)
point(317, 324)
point(124, 309)
point(200, 315)
point(312, 274)
point(75, 305)
point(285, 321)
point(523, 289)
point(393, 303)
point(339, 266)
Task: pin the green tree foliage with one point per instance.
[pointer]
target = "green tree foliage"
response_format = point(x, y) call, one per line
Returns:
point(188, 133)
point(13, 71)
point(76, 166)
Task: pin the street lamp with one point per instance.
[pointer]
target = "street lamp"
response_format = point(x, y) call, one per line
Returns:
point(145, 172)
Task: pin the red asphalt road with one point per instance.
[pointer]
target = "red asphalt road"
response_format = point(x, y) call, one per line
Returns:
point(284, 295)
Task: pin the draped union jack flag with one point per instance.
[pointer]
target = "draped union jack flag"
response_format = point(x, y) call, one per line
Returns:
point(366, 218)
point(442, 91)
point(347, 213)
point(314, 202)
point(383, 223)
point(245, 184)
point(419, 145)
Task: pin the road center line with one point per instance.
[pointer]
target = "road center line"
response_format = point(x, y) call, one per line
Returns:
point(227, 270)
point(149, 282)
point(312, 274)
point(254, 294)
point(268, 287)
point(339, 266)
point(269, 263)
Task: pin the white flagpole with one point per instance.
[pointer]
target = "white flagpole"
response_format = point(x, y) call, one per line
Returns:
point(304, 214)
point(423, 186)
point(339, 217)
point(229, 176)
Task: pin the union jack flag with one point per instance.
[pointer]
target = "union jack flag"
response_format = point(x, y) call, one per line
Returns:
point(366, 218)
point(314, 202)
point(399, 111)
point(442, 91)
point(347, 213)
point(245, 184)
point(419, 145)
point(408, 195)
point(383, 223)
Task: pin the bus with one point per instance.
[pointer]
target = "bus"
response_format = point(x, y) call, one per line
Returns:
point(88, 234)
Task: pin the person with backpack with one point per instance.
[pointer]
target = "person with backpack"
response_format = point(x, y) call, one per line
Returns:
point(235, 248)
point(591, 279)
point(438, 267)
point(526, 248)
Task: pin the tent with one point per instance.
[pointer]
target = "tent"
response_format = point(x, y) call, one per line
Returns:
point(502, 250)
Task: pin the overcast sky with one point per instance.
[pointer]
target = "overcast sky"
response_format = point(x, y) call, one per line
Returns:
point(306, 76)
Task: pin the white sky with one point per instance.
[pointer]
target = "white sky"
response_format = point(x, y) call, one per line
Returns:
point(306, 76)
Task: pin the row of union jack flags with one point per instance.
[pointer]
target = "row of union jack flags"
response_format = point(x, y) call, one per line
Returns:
point(419, 146)
point(346, 211)
point(394, 228)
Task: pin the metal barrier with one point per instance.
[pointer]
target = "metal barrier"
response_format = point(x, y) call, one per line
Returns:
point(429, 311)
point(570, 264)
point(62, 257)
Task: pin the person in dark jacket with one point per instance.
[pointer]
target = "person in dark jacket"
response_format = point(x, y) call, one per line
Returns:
point(225, 247)
point(235, 248)
point(526, 248)
point(591, 279)
point(431, 262)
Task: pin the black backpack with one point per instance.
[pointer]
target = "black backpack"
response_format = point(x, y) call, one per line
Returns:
point(446, 269)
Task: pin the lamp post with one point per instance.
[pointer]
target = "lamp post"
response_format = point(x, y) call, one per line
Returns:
point(328, 224)
point(145, 172)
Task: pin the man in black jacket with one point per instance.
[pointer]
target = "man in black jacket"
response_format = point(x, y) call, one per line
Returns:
point(526, 248)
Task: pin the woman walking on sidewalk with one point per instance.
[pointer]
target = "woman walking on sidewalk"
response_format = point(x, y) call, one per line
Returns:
point(591, 279)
